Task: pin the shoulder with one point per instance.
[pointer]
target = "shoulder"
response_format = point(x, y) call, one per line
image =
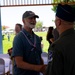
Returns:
point(18, 37)
point(37, 38)
point(57, 45)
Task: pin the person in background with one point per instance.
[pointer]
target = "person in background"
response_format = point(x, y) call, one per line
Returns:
point(27, 48)
point(8, 36)
point(41, 42)
point(55, 34)
point(63, 50)
point(18, 28)
point(49, 36)
point(10, 51)
point(41, 38)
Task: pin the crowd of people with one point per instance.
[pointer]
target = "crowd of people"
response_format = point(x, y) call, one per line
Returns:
point(27, 49)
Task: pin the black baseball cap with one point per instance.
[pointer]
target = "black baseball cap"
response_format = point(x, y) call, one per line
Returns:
point(29, 14)
point(65, 12)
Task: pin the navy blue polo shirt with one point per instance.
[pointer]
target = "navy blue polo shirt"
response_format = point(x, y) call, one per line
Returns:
point(30, 54)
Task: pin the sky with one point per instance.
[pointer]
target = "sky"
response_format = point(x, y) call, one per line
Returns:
point(12, 15)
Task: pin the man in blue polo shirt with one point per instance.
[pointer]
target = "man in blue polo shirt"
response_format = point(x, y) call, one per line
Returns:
point(27, 48)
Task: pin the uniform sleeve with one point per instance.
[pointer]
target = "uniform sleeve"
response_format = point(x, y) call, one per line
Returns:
point(56, 66)
point(17, 47)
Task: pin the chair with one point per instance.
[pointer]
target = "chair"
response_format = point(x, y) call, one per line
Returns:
point(7, 62)
point(2, 67)
point(10, 67)
point(6, 59)
point(4, 56)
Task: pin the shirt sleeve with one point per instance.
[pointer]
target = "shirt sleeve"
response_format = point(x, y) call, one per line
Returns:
point(17, 47)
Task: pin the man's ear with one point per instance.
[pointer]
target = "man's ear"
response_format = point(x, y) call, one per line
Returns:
point(59, 22)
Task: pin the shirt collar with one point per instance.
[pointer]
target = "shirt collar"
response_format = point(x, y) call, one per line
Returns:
point(27, 33)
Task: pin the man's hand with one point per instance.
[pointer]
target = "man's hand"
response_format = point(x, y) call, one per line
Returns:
point(43, 68)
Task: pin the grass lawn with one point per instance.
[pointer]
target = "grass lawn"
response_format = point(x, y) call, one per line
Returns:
point(45, 43)
point(8, 44)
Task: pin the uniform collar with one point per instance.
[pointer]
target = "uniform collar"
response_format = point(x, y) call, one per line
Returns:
point(67, 32)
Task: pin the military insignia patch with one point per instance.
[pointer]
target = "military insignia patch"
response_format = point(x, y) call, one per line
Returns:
point(50, 55)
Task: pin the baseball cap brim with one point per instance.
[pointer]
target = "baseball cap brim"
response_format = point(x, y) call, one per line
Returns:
point(36, 16)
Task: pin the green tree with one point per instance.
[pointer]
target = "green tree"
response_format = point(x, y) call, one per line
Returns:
point(3, 27)
point(61, 1)
point(39, 24)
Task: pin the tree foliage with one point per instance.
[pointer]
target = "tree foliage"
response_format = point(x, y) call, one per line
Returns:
point(3, 27)
point(63, 1)
point(39, 24)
